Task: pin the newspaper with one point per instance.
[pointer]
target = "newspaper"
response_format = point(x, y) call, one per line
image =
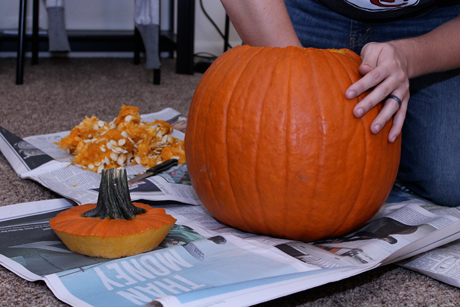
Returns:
point(442, 263)
point(38, 158)
point(203, 262)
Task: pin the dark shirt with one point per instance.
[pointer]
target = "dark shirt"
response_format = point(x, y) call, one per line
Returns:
point(383, 10)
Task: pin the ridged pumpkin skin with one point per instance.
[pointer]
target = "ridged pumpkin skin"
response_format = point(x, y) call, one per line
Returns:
point(272, 146)
point(112, 238)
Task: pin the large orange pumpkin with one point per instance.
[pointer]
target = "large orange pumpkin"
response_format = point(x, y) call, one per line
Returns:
point(272, 146)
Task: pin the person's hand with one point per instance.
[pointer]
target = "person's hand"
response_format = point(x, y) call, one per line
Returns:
point(384, 72)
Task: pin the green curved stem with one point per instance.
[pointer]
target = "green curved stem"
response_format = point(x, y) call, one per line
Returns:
point(114, 201)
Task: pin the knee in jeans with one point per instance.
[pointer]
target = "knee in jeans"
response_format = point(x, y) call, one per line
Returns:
point(445, 192)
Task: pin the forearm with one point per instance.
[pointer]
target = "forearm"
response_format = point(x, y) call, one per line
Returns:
point(436, 51)
point(261, 22)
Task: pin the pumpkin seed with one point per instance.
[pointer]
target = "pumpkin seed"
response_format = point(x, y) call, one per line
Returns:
point(121, 160)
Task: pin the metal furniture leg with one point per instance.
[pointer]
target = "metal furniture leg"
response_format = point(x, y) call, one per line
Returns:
point(185, 37)
point(226, 33)
point(21, 42)
point(156, 76)
point(35, 38)
point(137, 46)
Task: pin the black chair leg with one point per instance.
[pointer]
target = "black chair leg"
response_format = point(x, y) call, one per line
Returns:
point(137, 46)
point(156, 76)
point(35, 32)
point(21, 42)
point(185, 37)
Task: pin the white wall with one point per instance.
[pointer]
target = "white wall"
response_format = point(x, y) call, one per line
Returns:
point(207, 39)
point(118, 15)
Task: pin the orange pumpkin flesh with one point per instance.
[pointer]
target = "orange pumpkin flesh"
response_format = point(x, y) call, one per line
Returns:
point(114, 227)
point(272, 146)
point(111, 238)
point(126, 140)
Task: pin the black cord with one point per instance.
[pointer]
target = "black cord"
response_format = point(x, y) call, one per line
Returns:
point(213, 23)
point(205, 55)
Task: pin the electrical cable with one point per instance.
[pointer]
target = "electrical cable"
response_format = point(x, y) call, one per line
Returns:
point(208, 58)
point(213, 23)
point(205, 55)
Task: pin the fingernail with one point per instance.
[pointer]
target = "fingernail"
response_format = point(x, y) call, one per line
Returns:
point(351, 94)
point(360, 112)
point(377, 128)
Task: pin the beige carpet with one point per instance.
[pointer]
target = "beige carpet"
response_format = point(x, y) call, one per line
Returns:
point(56, 96)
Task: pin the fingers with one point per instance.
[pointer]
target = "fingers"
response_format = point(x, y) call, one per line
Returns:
point(384, 73)
point(391, 85)
point(391, 108)
point(398, 121)
point(385, 78)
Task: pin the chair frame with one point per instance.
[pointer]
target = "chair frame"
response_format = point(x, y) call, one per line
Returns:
point(184, 45)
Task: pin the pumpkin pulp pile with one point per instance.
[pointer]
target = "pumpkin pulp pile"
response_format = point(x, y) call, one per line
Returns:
point(114, 227)
point(126, 140)
point(272, 146)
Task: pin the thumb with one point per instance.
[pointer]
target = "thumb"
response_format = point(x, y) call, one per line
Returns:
point(364, 69)
point(369, 56)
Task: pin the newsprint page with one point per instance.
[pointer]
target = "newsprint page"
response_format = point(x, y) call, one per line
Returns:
point(202, 262)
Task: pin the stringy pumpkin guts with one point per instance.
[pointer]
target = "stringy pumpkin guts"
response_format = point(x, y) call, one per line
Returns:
point(99, 145)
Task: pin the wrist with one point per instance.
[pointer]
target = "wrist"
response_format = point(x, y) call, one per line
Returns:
point(409, 53)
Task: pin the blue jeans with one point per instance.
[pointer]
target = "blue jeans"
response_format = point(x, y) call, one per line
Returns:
point(430, 157)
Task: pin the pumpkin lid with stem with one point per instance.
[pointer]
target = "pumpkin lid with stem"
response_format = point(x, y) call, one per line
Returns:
point(114, 214)
point(114, 227)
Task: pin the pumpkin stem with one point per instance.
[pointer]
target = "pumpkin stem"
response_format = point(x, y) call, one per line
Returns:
point(114, 201)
